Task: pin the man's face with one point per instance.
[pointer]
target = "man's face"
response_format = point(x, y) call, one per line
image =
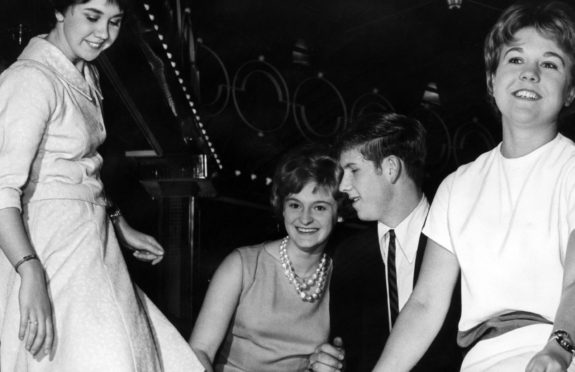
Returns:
point(366, 185)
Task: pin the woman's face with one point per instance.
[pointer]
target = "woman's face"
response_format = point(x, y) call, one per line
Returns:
point(309, 216)
point(86, 30)
point(533, 80)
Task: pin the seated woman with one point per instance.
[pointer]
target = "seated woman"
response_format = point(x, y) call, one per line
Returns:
point(267, 307)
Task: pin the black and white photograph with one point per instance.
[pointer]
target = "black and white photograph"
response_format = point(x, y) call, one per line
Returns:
point(287, 186)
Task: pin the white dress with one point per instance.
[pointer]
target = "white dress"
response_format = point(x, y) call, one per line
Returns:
point(508, 222)
point(50, 128)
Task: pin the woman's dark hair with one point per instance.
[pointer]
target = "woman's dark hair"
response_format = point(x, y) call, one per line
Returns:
point(552, 19)
point(62, 5)
point(308, 163)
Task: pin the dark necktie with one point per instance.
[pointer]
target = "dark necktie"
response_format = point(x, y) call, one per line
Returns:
point(392, 278)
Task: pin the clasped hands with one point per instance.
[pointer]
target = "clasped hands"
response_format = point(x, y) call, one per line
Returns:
point(327, 357)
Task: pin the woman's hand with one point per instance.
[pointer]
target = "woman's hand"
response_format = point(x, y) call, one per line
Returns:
point(327, 357)
point(553, 358)
point(145, 247)
point(36, 324)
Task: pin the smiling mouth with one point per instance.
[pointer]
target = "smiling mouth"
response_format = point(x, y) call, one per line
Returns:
point(94, 45)
point(306, 230)
point(526, 94)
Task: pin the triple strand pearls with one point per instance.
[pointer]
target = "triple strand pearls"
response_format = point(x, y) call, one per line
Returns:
point(304, 287)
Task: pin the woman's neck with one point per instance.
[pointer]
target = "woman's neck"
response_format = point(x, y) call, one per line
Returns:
point(521, 141)
point(304, 263)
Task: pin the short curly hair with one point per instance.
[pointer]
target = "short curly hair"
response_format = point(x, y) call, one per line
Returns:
point(305, 164)
point(553, 19)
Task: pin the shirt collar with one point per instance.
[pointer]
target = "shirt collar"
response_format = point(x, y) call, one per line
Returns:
point(42, 51)
point(405, 239)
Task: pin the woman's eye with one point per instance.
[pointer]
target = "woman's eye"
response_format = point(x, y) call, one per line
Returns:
point(320, 208)
point(515, 60)
point(92, 17)
point(116, 23)
point(550, 65)
point(293, 205)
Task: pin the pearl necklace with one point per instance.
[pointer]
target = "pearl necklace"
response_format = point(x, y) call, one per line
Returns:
point(304, 287)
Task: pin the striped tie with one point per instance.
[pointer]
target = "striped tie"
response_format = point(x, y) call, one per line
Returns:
point(392, 279)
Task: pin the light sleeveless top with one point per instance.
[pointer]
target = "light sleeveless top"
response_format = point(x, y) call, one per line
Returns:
point(272, 329)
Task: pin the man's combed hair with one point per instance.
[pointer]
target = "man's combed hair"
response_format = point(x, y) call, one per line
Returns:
point(377, 136)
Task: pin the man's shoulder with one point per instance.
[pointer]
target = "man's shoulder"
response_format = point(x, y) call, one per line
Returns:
point(359, 247)
point(365, 235)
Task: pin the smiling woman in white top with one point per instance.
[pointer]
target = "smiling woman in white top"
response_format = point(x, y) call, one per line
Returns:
point(506, 220)
point(66, 300)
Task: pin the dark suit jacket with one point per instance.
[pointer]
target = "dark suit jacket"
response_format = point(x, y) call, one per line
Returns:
point(358, 307)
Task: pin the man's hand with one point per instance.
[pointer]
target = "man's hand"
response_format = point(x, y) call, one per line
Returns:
point(327, 357)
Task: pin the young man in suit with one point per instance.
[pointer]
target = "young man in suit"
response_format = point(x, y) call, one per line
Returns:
point(374, 272)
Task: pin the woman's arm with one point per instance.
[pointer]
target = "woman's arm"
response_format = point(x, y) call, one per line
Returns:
point(145, 247)
point(553, 358)
point(420, 320)
point(29, 100)
point(36, 325)
point(217, 310)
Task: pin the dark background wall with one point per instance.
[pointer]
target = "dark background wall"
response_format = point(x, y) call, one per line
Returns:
point(242, 82)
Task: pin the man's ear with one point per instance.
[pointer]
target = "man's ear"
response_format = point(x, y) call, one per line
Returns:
point(394, 167)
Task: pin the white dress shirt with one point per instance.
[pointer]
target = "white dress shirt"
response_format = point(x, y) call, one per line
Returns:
point(407, 235)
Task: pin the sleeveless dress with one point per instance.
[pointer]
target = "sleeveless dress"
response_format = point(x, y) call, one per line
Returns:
point(272, 329)
point(50, 128)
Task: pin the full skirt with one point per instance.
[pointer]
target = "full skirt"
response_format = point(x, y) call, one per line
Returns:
point(103, 322)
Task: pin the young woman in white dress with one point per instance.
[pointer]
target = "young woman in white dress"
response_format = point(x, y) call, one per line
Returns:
point(66, 300)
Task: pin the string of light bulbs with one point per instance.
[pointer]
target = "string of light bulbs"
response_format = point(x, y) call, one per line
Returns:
point(182, 84)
